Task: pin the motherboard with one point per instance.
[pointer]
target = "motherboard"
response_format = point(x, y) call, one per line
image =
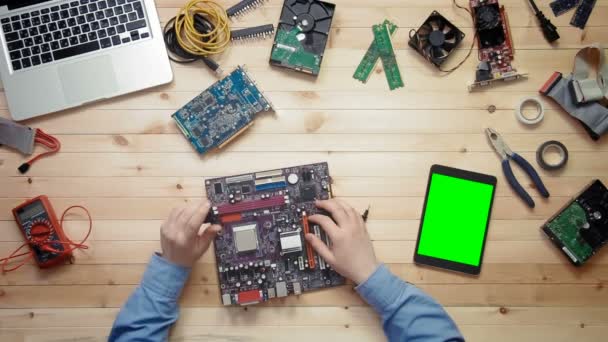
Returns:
point(496, 50)
point(223, 111)
point(261, 252)
point(581, 228)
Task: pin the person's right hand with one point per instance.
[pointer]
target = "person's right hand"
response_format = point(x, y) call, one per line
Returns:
point(351, 252)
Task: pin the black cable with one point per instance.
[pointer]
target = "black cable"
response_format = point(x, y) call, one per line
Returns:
point(534, 7)
point(177, 54)
point(549, 30)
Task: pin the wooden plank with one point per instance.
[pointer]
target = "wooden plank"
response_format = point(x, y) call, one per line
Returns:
point(385, 208)
point(176, 143)
point(327, 100)
point(357, 121)
point(379, 230)
point(117, 252)
point(263, 333)
point(205, 274)
point(342, 164)
point(56, 187)
point(106, 296)
point(498, 252)
point(307, 316)
point(348, 16)
point(340, 79)
point(364, 3)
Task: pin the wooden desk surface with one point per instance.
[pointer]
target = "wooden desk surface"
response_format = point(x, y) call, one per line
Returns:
point(125, 160)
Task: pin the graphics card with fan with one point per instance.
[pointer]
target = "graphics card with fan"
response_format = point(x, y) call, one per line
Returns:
point(436, 38)
point(302, 35)
point(496, 50)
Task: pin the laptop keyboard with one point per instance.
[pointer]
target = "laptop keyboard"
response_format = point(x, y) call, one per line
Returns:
point(72, 28)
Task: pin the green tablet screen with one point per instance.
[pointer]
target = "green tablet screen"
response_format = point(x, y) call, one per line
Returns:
point(455, 219)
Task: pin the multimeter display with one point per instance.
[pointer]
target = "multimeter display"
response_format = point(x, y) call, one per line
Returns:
point(30, 211)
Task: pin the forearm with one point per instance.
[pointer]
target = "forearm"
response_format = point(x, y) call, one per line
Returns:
point(152, 308)
point(408, 314)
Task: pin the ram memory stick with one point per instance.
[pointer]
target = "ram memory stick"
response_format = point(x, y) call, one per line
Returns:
point(560, 7)
point(371, 58)
point(262, 31)
point(382, 38)
point(582, 14)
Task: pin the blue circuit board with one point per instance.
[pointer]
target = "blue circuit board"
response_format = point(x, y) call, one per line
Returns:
point(221, 112)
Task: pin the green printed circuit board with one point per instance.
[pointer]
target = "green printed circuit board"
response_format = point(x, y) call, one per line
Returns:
point(581, 228)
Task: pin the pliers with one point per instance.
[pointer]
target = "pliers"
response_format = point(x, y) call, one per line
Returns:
point(506, 154)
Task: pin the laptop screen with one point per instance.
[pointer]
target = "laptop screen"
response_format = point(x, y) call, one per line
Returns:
point(16, 4)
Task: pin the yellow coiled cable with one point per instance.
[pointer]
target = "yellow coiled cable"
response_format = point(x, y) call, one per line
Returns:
point(199, 43)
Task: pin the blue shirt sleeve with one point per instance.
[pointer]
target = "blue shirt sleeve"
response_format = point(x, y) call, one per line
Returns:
point(408, 314)
point(152, 308)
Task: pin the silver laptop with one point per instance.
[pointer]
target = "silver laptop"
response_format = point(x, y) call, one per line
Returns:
point(58, 54)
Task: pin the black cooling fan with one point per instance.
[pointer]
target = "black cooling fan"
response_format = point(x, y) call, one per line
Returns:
point(436, 38)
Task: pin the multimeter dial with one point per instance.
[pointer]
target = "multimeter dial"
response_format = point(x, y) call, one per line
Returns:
point(39, 230)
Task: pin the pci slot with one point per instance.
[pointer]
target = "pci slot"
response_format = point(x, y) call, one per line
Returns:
point(270, 183)
point(271, 186)
point(271, 173)
point(239, 179)
point(317, 232)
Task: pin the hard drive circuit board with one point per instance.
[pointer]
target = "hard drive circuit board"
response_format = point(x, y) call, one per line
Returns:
point(581, 228)
point(261, 252)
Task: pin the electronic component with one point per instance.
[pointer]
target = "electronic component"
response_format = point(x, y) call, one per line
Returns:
point(243, 7)
point(293, 179)
point(302, 35)
point(262, 31)
point(261, 252)
point(38, 223)
point(560, 7)
point(291, 242)
point(371, 57)
point(43, 234)
point(580, 229)
point(308, 193)
point(582, 14)
point(246, 238)
point(282, 289)
point(382, 37)
point(222, 112)
point(436, 39)
point(495, 46)
point(226, 299)
point(249, 297)
point(297, 288)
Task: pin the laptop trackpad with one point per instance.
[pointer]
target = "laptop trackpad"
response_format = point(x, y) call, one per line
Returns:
point(88, 80)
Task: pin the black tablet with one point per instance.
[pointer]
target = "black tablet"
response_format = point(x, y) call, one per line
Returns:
point(455, 219)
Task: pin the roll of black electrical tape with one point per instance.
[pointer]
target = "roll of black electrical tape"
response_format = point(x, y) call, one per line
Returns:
point(540, 155)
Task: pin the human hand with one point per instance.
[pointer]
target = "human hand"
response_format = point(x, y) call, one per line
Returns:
point(184, 237)
point(351, 252)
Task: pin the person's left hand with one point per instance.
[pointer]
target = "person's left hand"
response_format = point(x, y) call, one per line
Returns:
point(184, 237)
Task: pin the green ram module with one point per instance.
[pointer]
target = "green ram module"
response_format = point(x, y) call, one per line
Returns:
point(371, 58)
point(382, 38)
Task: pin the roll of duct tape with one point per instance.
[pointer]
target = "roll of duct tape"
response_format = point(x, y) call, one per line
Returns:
point(530, 121)
point(561, 149)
